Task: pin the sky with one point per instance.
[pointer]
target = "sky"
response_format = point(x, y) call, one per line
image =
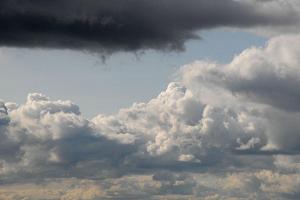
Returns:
point(153, 100)
point(106, 86)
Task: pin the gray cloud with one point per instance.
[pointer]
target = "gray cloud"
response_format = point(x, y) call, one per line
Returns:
point(50, 138)
point(130, 25)
point(215, 124)
point(262, 184)
point(45, 138)
point(268, 75)
point(263, 79)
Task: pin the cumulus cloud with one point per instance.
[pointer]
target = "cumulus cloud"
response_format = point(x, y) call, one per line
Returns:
point(264, 80)
point(131, 25)
point(267, 75)
point(51, 138)
point(229, 127)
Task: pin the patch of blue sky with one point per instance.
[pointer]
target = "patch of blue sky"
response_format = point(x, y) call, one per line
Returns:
point(124, 78)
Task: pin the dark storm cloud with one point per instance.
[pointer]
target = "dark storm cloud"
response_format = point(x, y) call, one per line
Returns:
point(122, 25)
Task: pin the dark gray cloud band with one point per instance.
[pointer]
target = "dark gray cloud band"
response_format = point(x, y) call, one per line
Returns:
point(124, 25)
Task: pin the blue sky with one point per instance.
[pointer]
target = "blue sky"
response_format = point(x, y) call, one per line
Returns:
point(123, 79)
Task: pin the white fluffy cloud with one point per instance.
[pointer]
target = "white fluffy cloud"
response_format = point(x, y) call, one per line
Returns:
point(236, 116)
point(264, 81)
point(173, 130)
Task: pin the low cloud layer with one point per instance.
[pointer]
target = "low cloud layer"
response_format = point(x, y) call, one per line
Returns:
point(218, 130)
point(263, 184)
point(131, 25)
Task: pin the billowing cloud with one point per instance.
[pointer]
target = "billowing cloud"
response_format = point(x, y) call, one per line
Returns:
point(130, 25)
point(51, 138)
point(266, 80)
point(218, 130)
point(174, 130)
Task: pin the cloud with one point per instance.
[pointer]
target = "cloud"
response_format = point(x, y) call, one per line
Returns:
point(267, 75)
point(44, 138)
point(287, 163)
point(262, 184)
point(264, 81)
point(220, 131)
point(131, 25)
point(64, 189)
point(41, 137)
